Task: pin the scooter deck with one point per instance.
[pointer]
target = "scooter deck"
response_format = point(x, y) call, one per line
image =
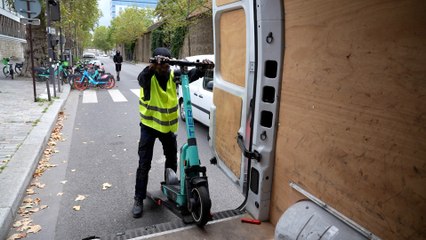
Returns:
point(161, 200)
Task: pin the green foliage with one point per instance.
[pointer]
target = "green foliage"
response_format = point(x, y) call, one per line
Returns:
point(78, 18)
point(132, 23)
point(157, 38)
point(177, 16)
point(101, 38)
point(178, 38)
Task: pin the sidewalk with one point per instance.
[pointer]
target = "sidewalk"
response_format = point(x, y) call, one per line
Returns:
point(25, 127)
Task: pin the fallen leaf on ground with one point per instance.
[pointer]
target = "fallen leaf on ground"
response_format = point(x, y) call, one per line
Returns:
point(105, 186)
point(80, 198)
point(34, 210)
point(63, 182)
point(30, 191)
point(34, 229)
point(25, 225)
point(60, 194)
point(84, 142)
point(28, 200)
point(37, 201)
point(43, 207)
point(17, 224)
point(40, 185)
point(17, 236)
point(64, 161)
point(76, 208)
point(28, 205)
point(72, 170)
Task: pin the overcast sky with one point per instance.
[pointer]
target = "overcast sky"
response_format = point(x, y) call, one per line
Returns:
point(104, 5)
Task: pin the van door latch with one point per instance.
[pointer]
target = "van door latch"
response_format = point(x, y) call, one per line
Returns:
point(251, 155)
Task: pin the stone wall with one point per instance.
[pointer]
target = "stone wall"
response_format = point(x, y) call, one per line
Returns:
point(12, 47)
point(143, 48)
point(12, 38)
point(199, 39)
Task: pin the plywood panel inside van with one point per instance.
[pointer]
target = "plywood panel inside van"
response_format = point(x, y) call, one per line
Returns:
point(228, 118)
point(233, 46)
point(352, 124)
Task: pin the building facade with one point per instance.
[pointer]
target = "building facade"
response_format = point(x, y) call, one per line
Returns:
point(118, 6)
point(12, 33)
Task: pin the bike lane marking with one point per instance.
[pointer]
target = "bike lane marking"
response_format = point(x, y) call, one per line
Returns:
point(89, 96)
point(117, 96)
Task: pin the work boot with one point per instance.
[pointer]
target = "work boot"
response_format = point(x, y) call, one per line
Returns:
point(137, 208)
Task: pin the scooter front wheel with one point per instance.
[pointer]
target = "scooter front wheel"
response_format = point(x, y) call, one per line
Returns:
point(201, 207)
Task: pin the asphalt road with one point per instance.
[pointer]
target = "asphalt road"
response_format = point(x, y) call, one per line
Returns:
point(100, 147)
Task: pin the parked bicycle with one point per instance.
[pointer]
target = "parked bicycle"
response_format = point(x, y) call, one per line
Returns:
point(79, 69)
point(61, 69)
point(103, 81)
point(18, 68)
point(8, 68)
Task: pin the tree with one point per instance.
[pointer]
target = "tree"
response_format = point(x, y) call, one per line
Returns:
point(101, 38)
point(132, 23)
point(175, 15)
point(78, 17)
point(129, 26)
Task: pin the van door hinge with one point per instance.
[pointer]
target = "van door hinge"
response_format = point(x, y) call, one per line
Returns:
point(251, 155)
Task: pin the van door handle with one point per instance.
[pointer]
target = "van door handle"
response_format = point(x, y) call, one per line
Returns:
point(201, 96)
point(196, 94)
point(250, 155)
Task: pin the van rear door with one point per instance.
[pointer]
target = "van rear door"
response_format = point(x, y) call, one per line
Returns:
point(248, 56)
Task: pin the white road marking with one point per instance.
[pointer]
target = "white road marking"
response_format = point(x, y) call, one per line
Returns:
point(89, 96)
point(117, 96)
point(136, 92)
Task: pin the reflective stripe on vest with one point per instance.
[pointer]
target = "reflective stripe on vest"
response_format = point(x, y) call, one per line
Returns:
point(160, 112)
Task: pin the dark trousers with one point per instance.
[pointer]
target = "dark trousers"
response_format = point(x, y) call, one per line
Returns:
point(146, 148)
point(118, 67)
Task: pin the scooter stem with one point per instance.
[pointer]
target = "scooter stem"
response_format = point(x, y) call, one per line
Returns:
point(192, 150)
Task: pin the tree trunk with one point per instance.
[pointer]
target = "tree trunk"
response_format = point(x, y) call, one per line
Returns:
point(39, 47)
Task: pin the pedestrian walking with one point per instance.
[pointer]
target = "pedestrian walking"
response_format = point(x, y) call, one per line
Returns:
point(118, 59)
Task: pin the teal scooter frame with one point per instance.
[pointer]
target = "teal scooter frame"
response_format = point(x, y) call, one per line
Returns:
point(188, 197)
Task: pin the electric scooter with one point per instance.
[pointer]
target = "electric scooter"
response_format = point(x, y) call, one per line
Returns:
point(188, 197)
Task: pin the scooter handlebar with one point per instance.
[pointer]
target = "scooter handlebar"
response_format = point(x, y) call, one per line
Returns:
point(181, 63)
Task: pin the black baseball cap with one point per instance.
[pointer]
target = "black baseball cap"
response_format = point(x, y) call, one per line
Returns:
point(162, 51)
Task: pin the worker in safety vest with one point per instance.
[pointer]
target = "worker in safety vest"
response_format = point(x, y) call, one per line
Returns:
point(158, 107)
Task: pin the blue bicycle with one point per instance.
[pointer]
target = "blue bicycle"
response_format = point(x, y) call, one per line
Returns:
point(97, 80)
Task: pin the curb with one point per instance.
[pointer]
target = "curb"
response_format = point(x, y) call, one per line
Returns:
point(18, 174)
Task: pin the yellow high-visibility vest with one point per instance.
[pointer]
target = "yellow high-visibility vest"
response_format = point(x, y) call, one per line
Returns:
point(160, 112)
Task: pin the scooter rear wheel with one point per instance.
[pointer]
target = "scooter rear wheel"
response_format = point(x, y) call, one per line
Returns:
point(201, 207)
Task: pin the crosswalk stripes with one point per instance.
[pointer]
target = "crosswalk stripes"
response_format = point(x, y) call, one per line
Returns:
point(117, 96)
point(90, 96)
point(136, 92)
